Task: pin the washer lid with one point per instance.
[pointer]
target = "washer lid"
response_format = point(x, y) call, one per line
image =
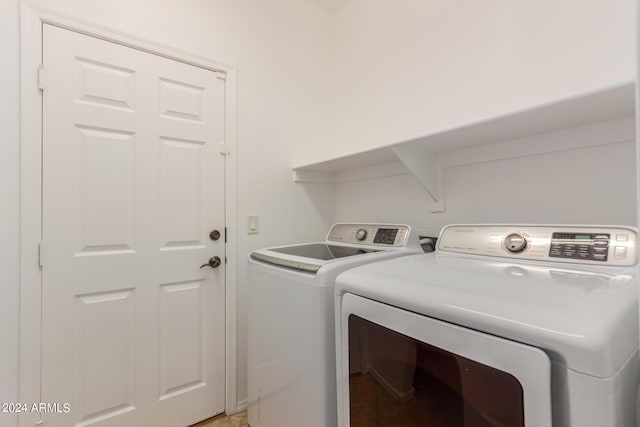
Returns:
point(323, 251)
point(584, 318)
point(308, 257)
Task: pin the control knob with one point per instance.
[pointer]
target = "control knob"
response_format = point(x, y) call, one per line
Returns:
point(515, 242)
point(361, 234)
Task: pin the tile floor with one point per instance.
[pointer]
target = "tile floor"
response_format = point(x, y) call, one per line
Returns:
point(236, 420)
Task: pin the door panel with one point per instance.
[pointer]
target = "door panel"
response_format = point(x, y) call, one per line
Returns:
point(132, 185)
point(181, 184)
point(106, 85)
point(107, 217)
point(181, 338)
point(182, 101)
point(106, 381)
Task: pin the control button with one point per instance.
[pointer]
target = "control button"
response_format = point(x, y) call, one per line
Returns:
point(601, 243)
point(555, 253)
point(584, 255)
point(600, 250)
point(556, 246)
point(622, 237)
point(515, 243)
point(402, 233)
point(600, 257)
point(361, 234)
point(569, 247)
point(601, 236)
point(584, 248)
point(569, 254)
point(620, 252)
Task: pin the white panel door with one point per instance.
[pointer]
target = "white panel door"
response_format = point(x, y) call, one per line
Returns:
point(133, 182)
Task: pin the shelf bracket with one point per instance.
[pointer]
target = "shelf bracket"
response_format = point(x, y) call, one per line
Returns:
point(425, 166)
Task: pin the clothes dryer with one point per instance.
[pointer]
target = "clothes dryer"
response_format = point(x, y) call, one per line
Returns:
point(506, 325)
point(291, 343)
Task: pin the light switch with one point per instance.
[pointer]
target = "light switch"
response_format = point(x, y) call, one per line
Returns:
point(253, 226)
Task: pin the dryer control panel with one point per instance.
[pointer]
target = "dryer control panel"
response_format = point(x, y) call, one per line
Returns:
point(615, 246)
point(584, 246)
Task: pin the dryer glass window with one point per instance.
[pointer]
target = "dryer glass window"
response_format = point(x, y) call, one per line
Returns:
point(396, 380)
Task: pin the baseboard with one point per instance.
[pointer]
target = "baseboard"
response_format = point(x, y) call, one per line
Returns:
point(242, 405)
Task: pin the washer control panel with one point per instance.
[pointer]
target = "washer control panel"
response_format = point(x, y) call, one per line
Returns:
point(370, 234)
point(615, 246)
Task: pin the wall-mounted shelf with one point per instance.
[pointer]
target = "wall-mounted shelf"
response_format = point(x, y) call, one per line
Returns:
point(503, 136)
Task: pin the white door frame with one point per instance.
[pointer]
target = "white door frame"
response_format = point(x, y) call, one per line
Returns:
point(32, 18)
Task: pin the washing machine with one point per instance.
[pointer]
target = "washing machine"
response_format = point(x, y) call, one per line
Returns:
point(291, 343)
point(506, 325)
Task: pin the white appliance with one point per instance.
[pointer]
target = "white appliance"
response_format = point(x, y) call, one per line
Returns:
point(506, 325)
point(291, 343)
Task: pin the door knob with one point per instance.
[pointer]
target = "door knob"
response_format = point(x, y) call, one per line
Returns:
point(214, 262)
point(214, 235)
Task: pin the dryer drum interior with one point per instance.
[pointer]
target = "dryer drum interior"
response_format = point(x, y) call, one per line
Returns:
point(412, 383)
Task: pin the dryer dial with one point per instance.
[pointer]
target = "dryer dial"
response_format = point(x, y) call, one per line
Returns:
point(515, 242)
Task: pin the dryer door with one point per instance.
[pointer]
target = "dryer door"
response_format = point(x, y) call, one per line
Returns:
point(401, 368)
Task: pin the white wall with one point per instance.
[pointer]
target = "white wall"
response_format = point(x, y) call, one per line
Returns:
point(594, 185)
point(281, 51)
point(9, 213)
point(410, 67)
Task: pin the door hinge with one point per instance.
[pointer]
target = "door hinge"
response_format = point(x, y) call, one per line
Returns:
point(42, 80)
point(225, 234)
point(224, 149)
point(41, 254)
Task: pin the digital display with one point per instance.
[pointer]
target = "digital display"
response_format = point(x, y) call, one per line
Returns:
point(583, 236)
point(386, 236)
point(578, 236)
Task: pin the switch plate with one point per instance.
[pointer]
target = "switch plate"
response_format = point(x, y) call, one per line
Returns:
point(253, 226)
